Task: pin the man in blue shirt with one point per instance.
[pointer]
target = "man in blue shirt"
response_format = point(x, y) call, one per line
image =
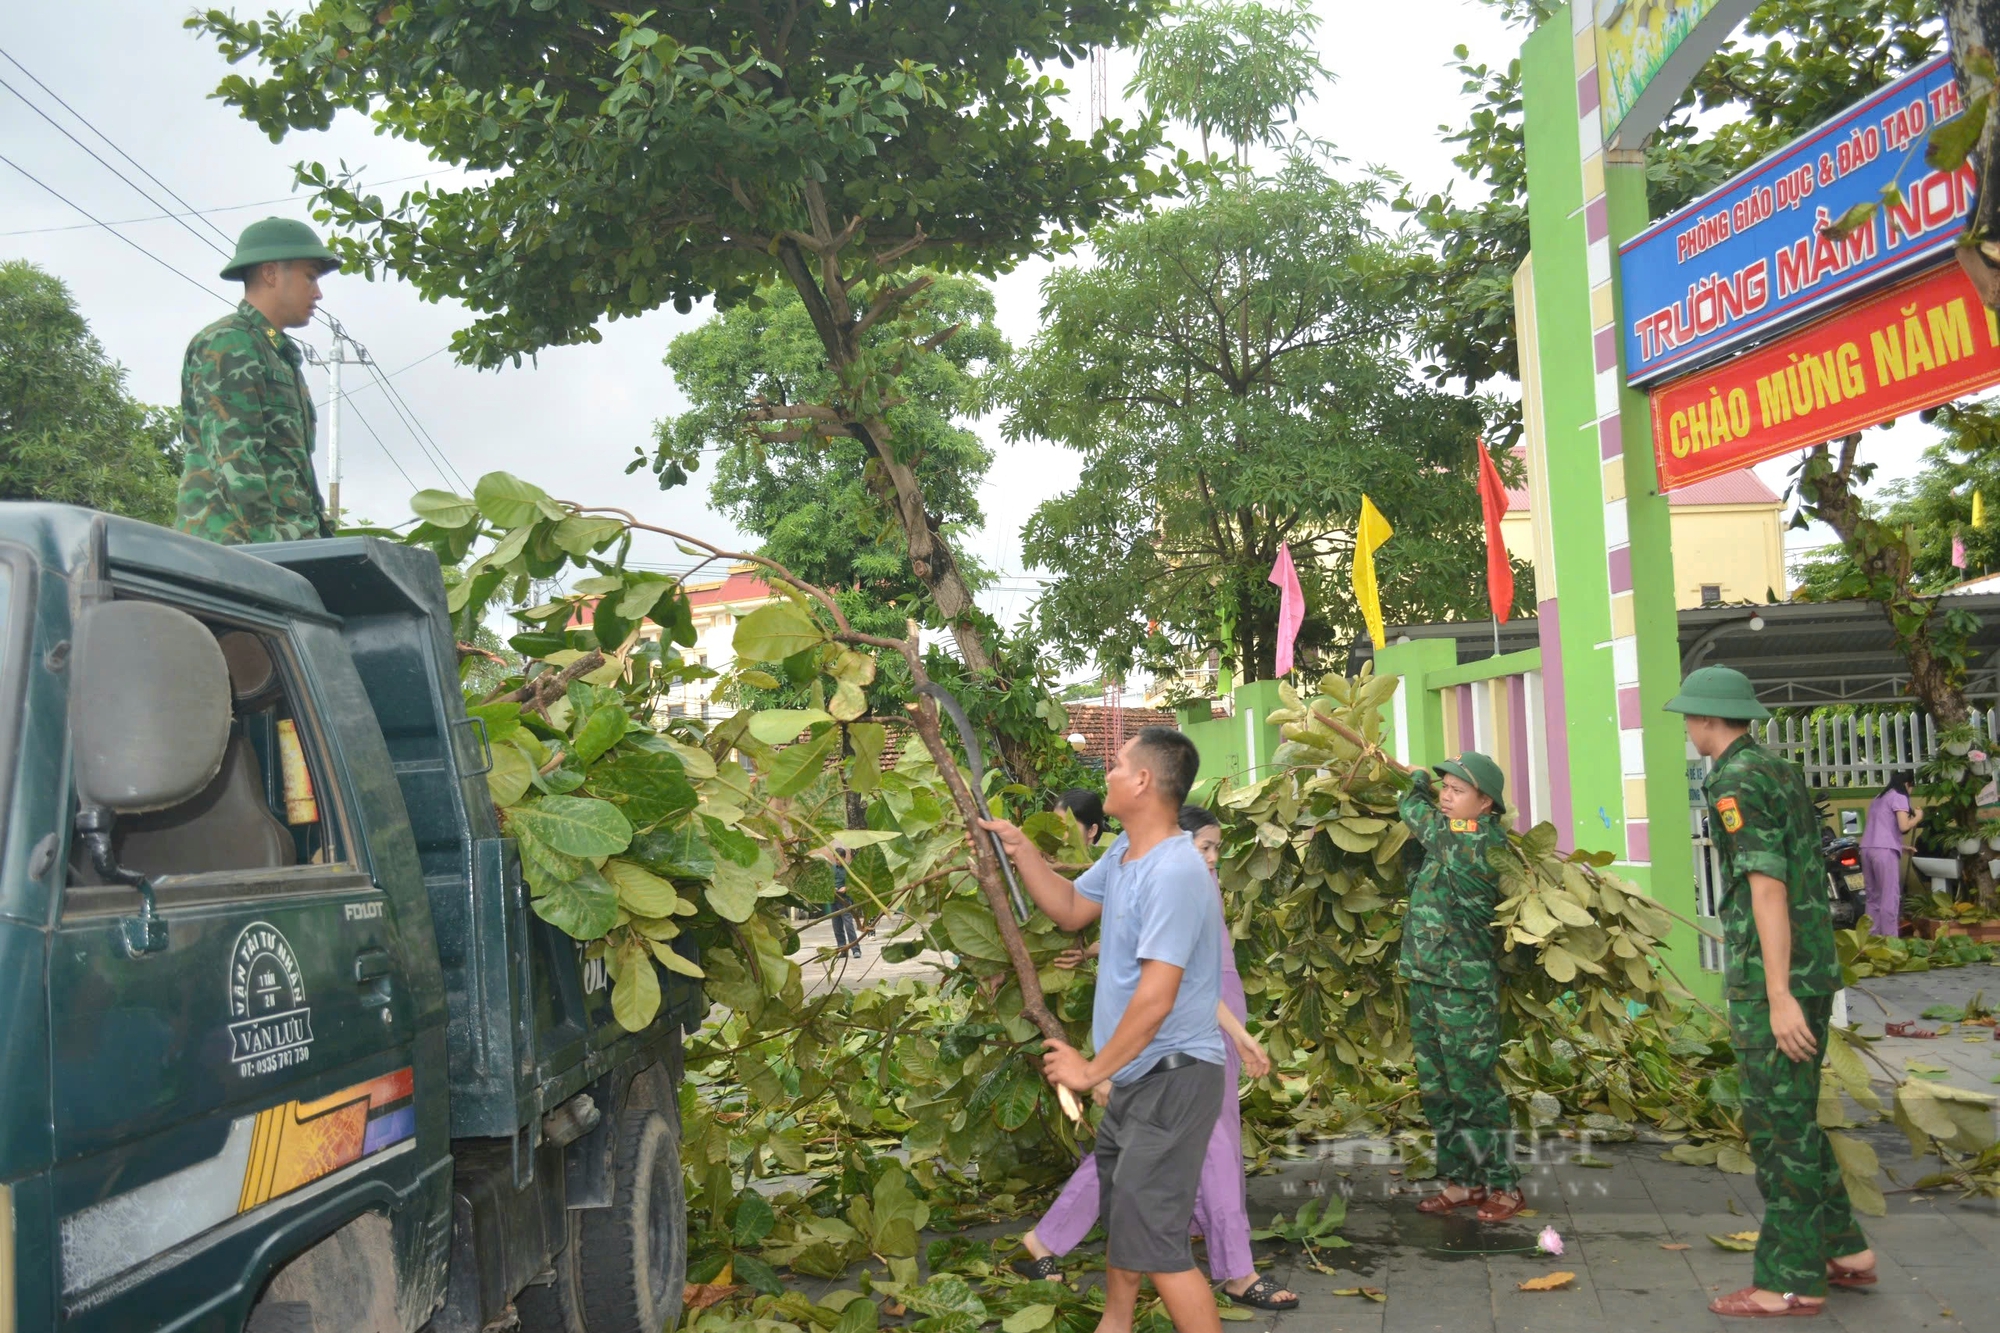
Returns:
point(1154, 1026)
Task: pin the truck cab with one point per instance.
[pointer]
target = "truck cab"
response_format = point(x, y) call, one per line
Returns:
point(285, 1047)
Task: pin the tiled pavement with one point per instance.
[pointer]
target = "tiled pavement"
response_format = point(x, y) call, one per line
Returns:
point(1939, 1256)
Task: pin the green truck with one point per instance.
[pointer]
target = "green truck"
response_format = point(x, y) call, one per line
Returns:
point(283, 1046)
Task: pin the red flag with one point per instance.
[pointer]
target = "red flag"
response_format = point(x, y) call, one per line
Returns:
point(1291, 606)
point(1493, 504)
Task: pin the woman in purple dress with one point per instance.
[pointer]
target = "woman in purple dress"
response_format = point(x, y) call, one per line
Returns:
point(1221, 1212)
point(1890, 820)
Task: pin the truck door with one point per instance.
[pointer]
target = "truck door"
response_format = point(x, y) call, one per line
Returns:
point(219, 1099)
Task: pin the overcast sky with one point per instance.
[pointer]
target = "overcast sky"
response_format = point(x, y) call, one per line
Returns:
point(572, 420)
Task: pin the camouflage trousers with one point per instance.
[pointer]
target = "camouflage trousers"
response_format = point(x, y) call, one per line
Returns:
point(1807, 1217)
point(1457, 1038)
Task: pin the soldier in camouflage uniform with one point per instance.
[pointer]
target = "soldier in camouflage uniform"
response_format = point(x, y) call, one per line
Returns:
point(247, 421)
point(1781, 972)
point(1451, 958)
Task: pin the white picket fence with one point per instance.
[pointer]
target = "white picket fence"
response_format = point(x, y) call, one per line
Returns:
point(1851, 751)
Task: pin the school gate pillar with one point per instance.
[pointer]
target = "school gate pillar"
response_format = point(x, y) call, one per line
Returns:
point(1604, 567)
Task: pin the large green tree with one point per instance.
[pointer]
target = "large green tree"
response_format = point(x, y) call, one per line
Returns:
point(69, 431)
point(803, 492)
point(624, 160)
point(1233, 373)
point(1231, 67)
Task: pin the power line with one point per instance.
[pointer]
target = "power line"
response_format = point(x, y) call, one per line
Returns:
point(393, 462)
point(204, 212)
point(82, 119)
point(402, 408)
point(193, 282)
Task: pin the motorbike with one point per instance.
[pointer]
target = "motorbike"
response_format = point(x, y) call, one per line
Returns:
point(1842, 857)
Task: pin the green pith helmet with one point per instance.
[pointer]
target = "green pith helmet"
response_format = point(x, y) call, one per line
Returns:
point(1484, 775)
point(275, 239)
point(1718, 691)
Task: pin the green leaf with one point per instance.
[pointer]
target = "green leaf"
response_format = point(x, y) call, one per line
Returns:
point(580, 535)
point(972, 930)
point(774, 632)
point(583, 908)
point(640, 598)
point(754, 1219)
point(1015, 1106)
point(599, 732)
point(649, 786)
point(732, 901)
point(635, 995)
point(574, 825)
point(781, 726)
point(795, 767)
point(640, 891)
point(679, 851)
point(864, 770)
point(848, 701)
point(1028, 1318)
point(1952, 142)
point(1742, 1244)
point(673, 962)
point(511, 776)
point(509, 502)
point(858, 1316)
point(444, 508)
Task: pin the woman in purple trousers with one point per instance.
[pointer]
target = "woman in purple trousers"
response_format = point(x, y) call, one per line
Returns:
point(1890, 820)
point(1221, 1212)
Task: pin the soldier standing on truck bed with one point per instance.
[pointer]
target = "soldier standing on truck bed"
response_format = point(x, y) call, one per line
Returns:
point(246, 419)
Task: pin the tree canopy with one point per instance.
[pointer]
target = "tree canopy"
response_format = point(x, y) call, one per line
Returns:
point(805, 497)
point(622, 161)
point(69, 431)
point(1231, 67)
point(1233, 373)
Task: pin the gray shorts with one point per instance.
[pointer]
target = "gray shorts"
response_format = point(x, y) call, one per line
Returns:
point(1150, 1146)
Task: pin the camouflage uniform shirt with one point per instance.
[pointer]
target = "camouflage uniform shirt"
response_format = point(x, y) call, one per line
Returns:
point(1761, 817)
point(247, 426)
point(1448, 935)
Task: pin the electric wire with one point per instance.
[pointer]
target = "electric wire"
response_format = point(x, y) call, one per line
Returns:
point(85, 122)
point(200, 212)
point(196, 283)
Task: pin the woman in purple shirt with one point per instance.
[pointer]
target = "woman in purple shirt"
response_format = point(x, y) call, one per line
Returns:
point(1890, 820)
point(1221, 1211)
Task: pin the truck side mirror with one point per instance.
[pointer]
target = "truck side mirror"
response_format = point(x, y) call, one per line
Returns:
point(149, 724)
point(149, 706)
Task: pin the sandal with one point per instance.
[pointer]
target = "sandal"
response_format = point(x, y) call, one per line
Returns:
point(1906, 1029)
point(1044, 1269)
point(1502, 1205)
point(1836, 1276)
point(1263, 1293)
point(1444, 1203)
point(1743, 1305)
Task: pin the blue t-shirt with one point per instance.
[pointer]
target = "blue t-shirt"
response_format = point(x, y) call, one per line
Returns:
point(1161, 908)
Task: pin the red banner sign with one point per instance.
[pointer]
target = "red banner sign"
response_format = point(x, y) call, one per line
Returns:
point(1922, 342)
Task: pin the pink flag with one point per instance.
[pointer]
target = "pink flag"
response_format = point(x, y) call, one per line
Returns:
point(1957, 559)
point(1291, 606)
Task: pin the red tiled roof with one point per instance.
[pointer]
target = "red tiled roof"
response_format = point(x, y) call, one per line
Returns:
point(735, 588)
point(1099, 724)
point(1731, 488)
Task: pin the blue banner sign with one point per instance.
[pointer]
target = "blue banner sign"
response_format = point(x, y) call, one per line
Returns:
point(1750, 259)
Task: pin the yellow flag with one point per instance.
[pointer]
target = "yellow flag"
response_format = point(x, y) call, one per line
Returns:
point(1978, 510)
point(1370, 533)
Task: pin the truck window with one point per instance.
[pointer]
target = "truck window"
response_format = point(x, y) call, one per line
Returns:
point(264, 809)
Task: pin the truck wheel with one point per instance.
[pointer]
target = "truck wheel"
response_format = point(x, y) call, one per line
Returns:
point(552, 1308)
point(631, 1258)
point(281, 1317)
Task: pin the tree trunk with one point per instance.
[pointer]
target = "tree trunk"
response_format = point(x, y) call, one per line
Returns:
point(894, 483)
point(1828, 493)
point(1972, 27)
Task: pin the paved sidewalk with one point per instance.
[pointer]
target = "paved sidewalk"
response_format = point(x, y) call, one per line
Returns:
point(1968, 1052)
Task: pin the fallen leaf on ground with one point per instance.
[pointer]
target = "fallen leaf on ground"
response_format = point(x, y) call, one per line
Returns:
point(1740, 1241)
point(701, 1295)
point(1675, 1245)
point(1549, 1283)
point(1734, 1211)
point(1372, 1293)
point(1529, 1212)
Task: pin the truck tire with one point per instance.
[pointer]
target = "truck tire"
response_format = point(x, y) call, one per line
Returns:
point(631, 1258)
point(281, 1317)
point(552, 1307)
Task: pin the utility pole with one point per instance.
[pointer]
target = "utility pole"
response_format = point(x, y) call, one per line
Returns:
point(346, 352)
